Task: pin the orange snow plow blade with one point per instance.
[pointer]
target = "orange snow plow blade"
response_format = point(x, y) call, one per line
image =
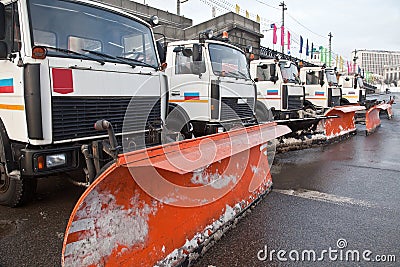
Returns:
point(162, 205)
point(344, 124)
point(372, 119)
point(387, 108)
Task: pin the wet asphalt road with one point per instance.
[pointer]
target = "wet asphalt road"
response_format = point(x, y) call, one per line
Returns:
point(349, 191)
point(345, 191)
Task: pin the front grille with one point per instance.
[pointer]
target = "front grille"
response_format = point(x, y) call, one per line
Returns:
point(74, 117)
point(232, 110)
point(295, 102)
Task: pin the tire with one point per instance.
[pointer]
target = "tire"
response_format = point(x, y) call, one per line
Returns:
point(13, 192)
point(263, 114)
point(178, 121)
point(344, 101)
point(309, 106)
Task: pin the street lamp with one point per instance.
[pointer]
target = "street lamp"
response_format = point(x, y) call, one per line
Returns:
point(178, 6)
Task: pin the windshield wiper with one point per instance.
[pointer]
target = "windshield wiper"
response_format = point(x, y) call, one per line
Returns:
point(138, 62)
point(67, 51)
point(103, 55)
point(243, 74)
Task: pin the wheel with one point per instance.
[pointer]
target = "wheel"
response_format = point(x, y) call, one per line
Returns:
point(178, 121)
point(344, 101)
point(308, 106)
point(263, 114)
point(13, 192)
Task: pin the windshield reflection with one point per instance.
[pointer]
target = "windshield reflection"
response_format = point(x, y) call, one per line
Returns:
point(228, 61)
point(84, 29)
point(289, 71)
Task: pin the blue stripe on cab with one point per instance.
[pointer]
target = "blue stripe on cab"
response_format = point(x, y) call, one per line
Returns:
point(6, 82)
point(191, 94)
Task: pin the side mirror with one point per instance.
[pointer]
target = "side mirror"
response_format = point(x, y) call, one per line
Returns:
point(274, 79)
point(178, 49)
point(3, 50)
point(197, 53)
point(321, 79)
point(255, 79)
point(2, 21)
point(198, 67)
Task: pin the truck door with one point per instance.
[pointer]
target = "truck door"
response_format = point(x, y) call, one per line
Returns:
point(315, 92)
point(11, 76)
point(269, 85)
point(189, 83)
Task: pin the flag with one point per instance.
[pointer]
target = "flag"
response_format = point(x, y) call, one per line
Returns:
point(282, 35)
point(307, 48)
point(247, 14)
point(348, 67)
point(274, 36)
point(321, 53)
point(337, 61)
point(312, 50)
point(237, 9)
point(301, 45)
point(341, 63)
point(288, 40)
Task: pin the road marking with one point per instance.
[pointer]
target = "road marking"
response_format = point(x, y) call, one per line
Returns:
point(379, 168)
point(329, 198)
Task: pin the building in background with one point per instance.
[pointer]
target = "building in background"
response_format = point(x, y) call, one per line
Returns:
point(243, 31)
point(391, 74)
point(374, 61)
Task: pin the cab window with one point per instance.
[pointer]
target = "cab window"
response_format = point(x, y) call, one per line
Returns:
point(312, 78)
point(13, 36)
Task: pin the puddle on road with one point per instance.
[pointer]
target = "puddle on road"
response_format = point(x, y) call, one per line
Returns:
point(7, 228)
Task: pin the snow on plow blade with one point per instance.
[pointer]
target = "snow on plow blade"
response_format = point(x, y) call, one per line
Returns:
point(162, 205)
point(387, 108)
point(337, 123)
point(344, 123)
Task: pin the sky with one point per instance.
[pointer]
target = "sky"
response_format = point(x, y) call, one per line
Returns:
point(354, 24)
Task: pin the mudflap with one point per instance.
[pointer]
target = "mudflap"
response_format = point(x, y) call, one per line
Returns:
point(162, 205)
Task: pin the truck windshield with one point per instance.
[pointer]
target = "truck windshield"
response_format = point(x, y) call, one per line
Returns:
point(331, 77)
point(228, 61)
point(289, 71)
point(82, 28)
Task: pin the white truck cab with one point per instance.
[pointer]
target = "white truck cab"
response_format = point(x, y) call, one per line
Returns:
point(353, 90)
point(279, 89)
point(64, 64)
point(210, 87)
point(321, 88)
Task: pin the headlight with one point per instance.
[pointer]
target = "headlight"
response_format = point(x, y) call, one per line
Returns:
point(56, 160)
